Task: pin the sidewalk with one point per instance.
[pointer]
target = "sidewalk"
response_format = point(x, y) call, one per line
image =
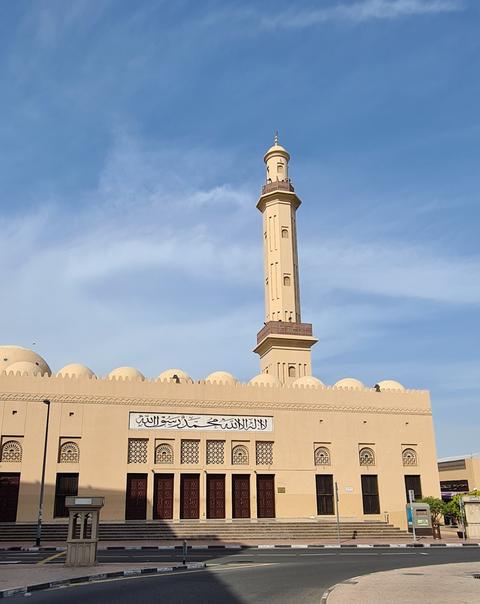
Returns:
point(442, 584)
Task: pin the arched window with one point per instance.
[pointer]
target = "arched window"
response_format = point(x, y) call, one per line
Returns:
point(11, 451)
point(409, 457)
point(291, 371)
point(322, 456)
point(69, 453)
point(163, 454)
point(240, 455)
point(284, 233)
point(367, 457)
point(286, 280)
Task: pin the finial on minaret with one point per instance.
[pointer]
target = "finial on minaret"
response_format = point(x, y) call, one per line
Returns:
point(275, 138)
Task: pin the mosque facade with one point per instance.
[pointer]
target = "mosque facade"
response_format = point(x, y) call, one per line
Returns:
point(171, 448)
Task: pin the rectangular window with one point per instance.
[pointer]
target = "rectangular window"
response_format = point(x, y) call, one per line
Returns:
point(190, 451)
point(215, 451)
point(264, 453)
point(412, 482)
point(137, 450)
point(66, 486)
point(371, 501)
point(324, 484)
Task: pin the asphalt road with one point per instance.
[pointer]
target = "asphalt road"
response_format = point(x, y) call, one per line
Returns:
point(258, 576)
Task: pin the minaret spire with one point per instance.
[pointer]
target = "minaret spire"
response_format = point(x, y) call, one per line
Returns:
point(275, 138)
point(284, 343)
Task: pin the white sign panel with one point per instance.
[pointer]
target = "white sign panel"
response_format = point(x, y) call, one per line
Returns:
point(211, 423)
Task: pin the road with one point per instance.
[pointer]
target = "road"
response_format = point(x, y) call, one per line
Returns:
point(280, 575)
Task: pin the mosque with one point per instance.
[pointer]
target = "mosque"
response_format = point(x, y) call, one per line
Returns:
point(172, 448)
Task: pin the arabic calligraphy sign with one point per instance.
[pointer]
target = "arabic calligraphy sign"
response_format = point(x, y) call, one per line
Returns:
point(216, 423)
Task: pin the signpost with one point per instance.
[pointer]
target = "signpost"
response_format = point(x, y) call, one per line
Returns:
point(338, 516)
point(411, 498)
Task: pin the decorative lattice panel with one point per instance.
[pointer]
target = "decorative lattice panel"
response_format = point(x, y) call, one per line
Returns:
point(240, 455)
point(69, 453)
point(322, 456)
point(409, 457)
point(264, 453)
point(366, 456)
point(215, 451)
point(163, 454)
point(11, 451)
point(190, 451)
point(137, 450)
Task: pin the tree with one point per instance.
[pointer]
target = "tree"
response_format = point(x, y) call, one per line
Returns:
point(454, 507)
point(438, 508)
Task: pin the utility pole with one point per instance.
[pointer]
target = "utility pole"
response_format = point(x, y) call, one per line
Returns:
point(338, 515)
point(42, 483)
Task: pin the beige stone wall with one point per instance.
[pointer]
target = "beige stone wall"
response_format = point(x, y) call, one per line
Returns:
point(95, 413)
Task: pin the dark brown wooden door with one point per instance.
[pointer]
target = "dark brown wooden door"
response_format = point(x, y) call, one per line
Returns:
point(241, 495)
point(66, 485)
point(163, 497)
point(371, 501)
point(9, 485)
point(215, 496)
point(265, 496)
point(413, 483)
point(136, 497)
point(189, 496)
point(324, 484)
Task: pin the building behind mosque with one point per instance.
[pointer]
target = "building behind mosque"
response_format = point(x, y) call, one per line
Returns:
point(172, 448)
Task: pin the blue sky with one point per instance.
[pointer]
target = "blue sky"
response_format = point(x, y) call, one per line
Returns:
point(132, 137)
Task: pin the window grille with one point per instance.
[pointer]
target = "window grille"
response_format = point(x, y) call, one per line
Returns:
point(69, 453)
point(190, 451)
point(367, 457)
point(11, 451)
point(137, 450)
point(264, 453)
point(215, 451)
point(163, 454)
point(322, 456)
point(409, 457)
point(239, 455)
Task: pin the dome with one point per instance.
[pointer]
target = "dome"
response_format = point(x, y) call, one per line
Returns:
point(126, 373)
point(309, 380)
point(390, 385)
point(264, 379)
point(221, 377)
point(76, 370)
point(349, 383)
point(15, 354)
point(174, 375)
point(24, 367)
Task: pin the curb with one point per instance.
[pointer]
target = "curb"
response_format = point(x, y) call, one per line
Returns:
point(111, 548)
point(15, 591)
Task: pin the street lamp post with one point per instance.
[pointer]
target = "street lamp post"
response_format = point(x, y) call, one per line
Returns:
point(42, 484)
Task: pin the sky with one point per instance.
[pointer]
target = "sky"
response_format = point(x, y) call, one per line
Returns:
point(132, 137)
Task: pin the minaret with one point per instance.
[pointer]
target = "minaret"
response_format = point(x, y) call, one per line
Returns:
point(284, 342)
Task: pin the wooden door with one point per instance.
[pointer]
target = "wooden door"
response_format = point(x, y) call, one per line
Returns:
point(371, 501)
point(215, 496)
point(413, 483)
point(324, 484)
point(9, 486)
point(189, 496)
point(265, 496)
point(66, 485)
point(163, 497)
point(136, 497)
point(241, 495)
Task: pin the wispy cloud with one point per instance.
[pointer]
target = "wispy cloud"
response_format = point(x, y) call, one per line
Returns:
point(359, 12)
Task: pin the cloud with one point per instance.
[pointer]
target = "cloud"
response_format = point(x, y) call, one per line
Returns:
point(359, 12)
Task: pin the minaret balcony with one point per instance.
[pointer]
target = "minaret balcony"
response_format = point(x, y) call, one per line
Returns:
point(278, 185)
point(284, 328)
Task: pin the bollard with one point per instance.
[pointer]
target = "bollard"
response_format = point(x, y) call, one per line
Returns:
point(184, 552)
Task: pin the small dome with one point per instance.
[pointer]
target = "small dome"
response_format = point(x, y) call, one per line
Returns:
point(221, 377)
point(126, 373)
point(24, 367)
point(390, 385)
point(349, 383)
point(76, 370)
point(309, 380)
point(264, 379)
point(174, 375)
point(14, 354)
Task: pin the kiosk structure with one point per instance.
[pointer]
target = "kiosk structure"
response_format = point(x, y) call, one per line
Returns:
point(82, 540)
point(471, 504)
